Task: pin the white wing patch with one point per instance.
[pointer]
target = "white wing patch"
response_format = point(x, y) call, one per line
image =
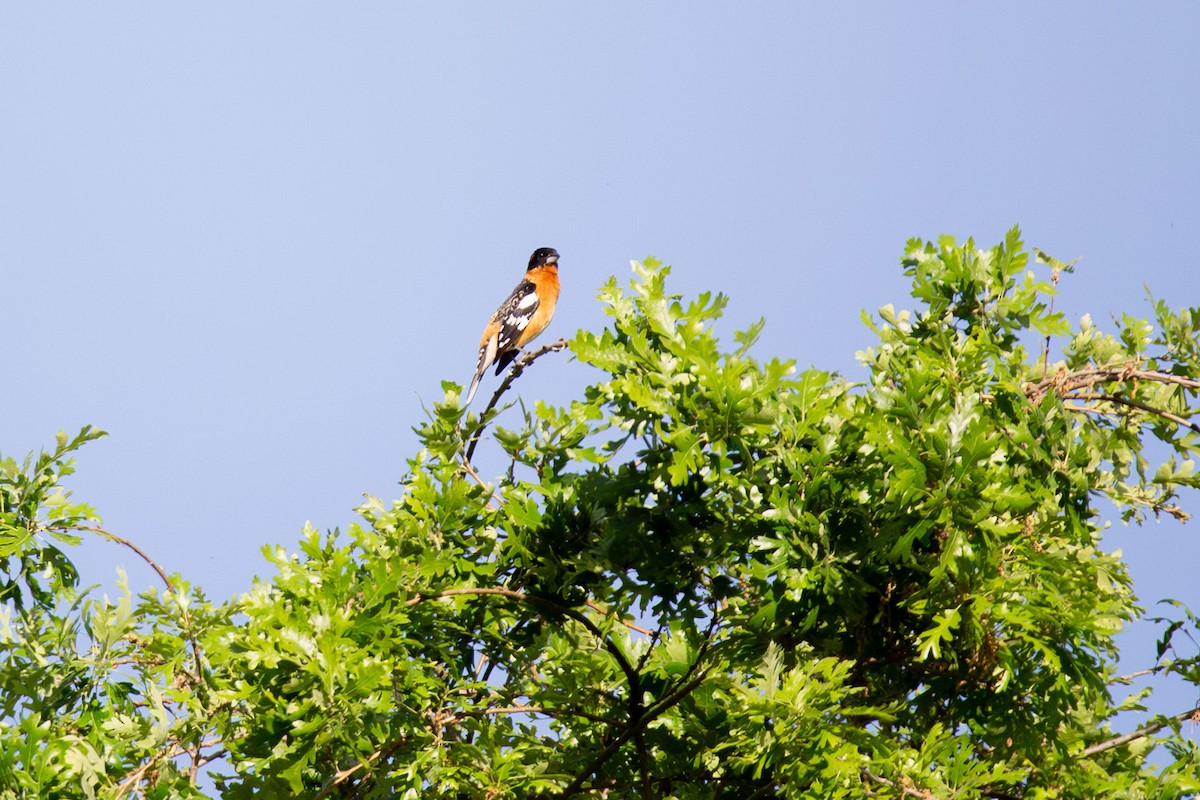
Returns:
point(518, 321)
point(515, 315)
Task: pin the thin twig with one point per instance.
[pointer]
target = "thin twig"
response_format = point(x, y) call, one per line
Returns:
point(452, 718)
point(1152, 728)
point(630, 673)
point(471, 471)
point(548, 711)
point(341, 776)
point(175, 750)
point(687, 684)
point(762, 791)
point(1066, 382)
point(518, 367)
point(1050, 312)
point(639, 716)
point(924, 794)
point(123, 541)
point(185, 620)
point(655, 711)
point(1125, 401)
point(633, 627)
point(654, 638)
point(1088, 377)
point(1139, 674)
point(1098, 412)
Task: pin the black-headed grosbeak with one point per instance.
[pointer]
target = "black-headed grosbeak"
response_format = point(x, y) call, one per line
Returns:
point(521, 317)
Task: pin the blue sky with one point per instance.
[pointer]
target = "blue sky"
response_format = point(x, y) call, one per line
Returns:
point(250, 240)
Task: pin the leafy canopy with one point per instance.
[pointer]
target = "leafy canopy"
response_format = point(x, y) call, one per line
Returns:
point(708, 577)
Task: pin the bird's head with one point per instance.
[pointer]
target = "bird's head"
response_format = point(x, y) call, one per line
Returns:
point(543, 256)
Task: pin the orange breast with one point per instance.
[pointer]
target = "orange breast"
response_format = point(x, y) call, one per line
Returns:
point(546, 280)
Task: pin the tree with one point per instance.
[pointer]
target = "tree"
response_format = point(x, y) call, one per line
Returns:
point(708, 577)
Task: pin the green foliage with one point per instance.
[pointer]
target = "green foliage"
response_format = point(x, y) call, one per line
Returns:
point(34, 510)
point(98, 697)
point(709, 577)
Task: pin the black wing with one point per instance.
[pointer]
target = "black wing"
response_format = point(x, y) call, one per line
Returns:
point(513, 318)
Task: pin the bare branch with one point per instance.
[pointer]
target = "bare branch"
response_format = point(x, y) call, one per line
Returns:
point(630, 673)
point(341, 776)
point(686, 685)
point(1125, 401)
point(1099, 412)
point(1053, 296)
point(654, 637)
point(1064, 382)
point(471, 471)
point(655, 711)
point(197, 661)
point(112, 537)
point(518, 367)
point(173, 751)
point(1123, 679)
point(1148, 730)
point(903, 788)
point(450, 719)
point(639, 742)
point(633, 627)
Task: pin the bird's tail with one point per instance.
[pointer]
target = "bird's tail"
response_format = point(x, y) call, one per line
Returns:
point(487, 354)
point(474, 386)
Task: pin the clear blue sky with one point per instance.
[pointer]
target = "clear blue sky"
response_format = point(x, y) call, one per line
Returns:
point(250, 239)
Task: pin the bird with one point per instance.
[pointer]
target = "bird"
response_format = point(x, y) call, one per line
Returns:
point(521, 318)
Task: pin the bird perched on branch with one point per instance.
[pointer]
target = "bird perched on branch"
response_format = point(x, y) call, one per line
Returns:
point(521, 317)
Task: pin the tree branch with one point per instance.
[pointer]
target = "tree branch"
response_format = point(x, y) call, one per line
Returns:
point(342, 775)
point(925, 794)
point(1054, 271)
point(903, 788)
point(1066, 382)
point(652, 713)
point(1141, 673)
point(185, 620)
point(518, 367)
point(548, 711)
point(639, 742)
point(640, 717)
point(631, 674)
point(632, 626)
point(112, 537)
point(1125, 401)
point(471, 471)
point(173, 751)
point(1148, 730)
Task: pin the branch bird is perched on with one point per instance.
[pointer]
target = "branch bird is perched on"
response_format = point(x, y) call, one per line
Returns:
point(521, 317)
